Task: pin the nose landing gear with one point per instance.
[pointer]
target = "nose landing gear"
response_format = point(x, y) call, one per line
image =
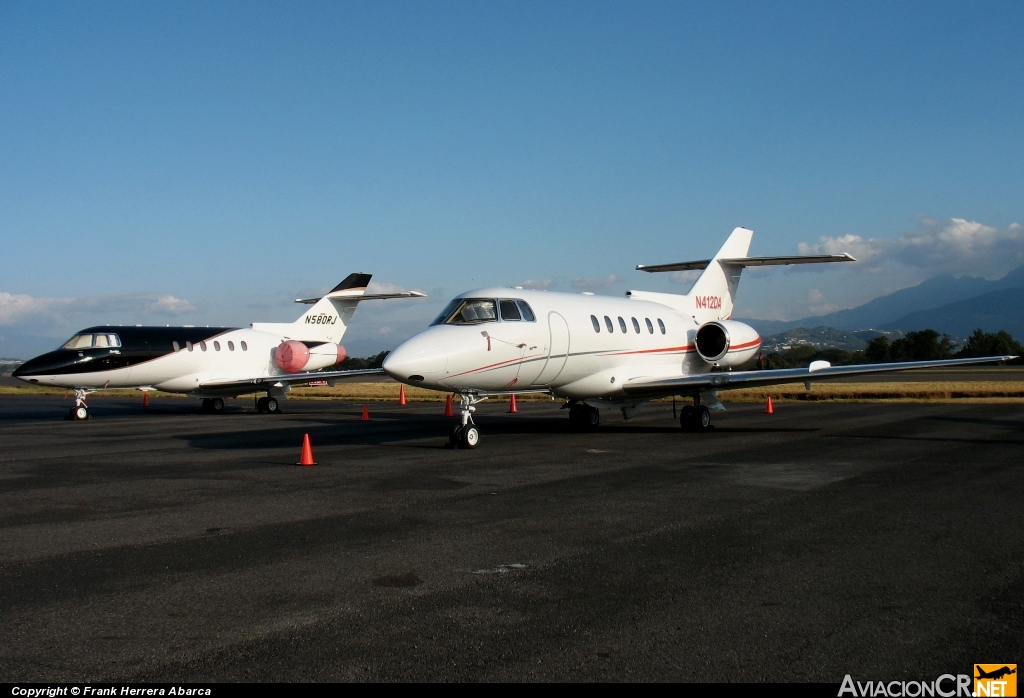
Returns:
point(465, 434)
point(81, 410)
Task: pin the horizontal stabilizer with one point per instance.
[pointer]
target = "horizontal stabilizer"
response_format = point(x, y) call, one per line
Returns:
point(748, 262)
point(364, 297)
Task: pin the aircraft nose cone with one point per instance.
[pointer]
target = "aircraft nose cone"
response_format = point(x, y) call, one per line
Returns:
point(39, 366)
point(416, 361)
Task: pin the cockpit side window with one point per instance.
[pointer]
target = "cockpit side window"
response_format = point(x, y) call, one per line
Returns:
point(473, 311)
point(527, 311)
point(509, 310)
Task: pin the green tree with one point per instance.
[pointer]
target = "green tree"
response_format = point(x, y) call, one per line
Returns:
point(991, 344)
point(924, 345)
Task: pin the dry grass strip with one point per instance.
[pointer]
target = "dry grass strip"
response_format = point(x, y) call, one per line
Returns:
point(939, 391)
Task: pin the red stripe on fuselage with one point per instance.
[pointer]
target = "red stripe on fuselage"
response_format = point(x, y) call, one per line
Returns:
point(496, 365)
point(648, 351)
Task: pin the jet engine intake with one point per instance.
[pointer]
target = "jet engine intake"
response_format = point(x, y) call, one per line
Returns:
point(726, 343)
point(293, 356)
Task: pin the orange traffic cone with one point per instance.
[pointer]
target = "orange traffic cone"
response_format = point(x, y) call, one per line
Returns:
point(145, 398)
point(366, 414)
point(448, 407)
point(768, 409)
point(307, 452)
point(401, 396)
point(512, 409)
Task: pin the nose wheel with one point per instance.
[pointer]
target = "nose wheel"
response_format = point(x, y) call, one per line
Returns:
point(80, 411)
point(465, 434)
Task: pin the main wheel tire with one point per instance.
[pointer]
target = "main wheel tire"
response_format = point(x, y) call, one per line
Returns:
point(687, 420)
point(703, 418)
point(273, 406)
point(470, 437)
point(261, 405)
point(216, 405)
point(80, 412)
point(204, 406)
point(593, 417)
point(577, 419)
point(455, 435)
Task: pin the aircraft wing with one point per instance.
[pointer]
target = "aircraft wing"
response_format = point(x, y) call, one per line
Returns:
point(290, 379)
point(733, 380)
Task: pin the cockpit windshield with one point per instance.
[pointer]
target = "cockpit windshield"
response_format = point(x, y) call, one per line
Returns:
point(88, 341)
point(474, 311)
point(469, 311)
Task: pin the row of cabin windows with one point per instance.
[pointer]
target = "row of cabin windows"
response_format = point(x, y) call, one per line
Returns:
point(622, 324)
point(216, 346)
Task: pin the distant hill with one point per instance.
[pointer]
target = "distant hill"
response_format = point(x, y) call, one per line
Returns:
point(999, 310)
point(938, 300)
point(818, 337)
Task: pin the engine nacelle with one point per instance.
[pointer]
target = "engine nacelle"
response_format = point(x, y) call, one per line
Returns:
point(727, 343)
point(293, 356)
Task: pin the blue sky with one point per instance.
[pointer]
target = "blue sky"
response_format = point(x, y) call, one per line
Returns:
point(206, 163)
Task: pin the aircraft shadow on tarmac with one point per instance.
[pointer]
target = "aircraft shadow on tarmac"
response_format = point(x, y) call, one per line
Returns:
point(987, 421)
point(412, 429)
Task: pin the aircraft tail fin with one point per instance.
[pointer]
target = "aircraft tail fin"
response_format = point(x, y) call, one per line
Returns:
point(330, 315)
point(715, 288)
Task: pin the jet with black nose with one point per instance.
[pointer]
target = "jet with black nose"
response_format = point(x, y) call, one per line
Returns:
point(210, 363)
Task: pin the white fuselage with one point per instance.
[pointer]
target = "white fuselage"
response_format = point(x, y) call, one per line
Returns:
point(561, 350)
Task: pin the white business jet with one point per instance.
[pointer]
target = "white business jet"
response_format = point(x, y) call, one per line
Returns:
point(210, 363)
point(604, 353)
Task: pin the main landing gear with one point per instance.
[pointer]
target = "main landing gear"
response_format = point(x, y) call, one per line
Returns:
point(268, 405)
point(583, 417)
point(695, 417)
point(81, 410)
point(213, 405)
point(465, 434)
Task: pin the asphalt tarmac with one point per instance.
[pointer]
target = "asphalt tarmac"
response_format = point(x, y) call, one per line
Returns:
point(881, 541)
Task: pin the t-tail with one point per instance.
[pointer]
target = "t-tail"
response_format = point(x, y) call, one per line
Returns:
point(713, 294)
point(330, 315)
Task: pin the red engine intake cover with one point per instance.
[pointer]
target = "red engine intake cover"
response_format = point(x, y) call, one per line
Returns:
point(341, 353)
point(291, 356)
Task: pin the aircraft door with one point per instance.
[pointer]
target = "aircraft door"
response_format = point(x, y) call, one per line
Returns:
point(558, 350)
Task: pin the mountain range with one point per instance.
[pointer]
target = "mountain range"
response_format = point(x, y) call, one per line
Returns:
point(947, 304)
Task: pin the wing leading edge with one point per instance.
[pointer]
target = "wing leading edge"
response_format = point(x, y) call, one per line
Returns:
point(733, 380)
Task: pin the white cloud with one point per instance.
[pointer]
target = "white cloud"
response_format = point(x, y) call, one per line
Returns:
point(583, 284)
point(539, 284)
point(956, 246)
point(19, 308)
point(686, 278)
